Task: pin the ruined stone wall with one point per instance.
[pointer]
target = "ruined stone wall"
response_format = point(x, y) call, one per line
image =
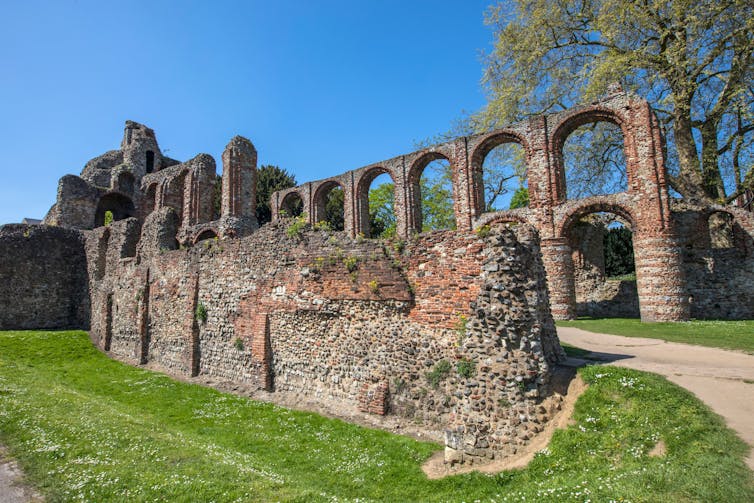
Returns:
point(339, 321)
point(43, 278)
point(718, 264)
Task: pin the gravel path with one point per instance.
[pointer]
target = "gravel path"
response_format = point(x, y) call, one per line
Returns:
point(722, 379)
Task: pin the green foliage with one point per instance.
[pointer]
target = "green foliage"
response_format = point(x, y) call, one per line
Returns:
point(351, 263)
point(108, 218)
point(466, 368)
point(238, 344)
point(437, 197)
point(334, 209)
point(382, 211)
point(374, 287)
point(201, 312)
point(520, 198)
point(460, 327)
point(322, 225)
point(271, 179)
point(483, 231)
point(439, 373)
point(619, 252)
point(691, 60)
point(83, 427)
point(296, 228)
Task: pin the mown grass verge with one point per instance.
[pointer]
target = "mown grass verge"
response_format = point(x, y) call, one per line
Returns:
point(91, 429)
point(738, 335)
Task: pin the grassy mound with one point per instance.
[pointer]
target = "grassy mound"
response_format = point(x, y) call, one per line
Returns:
point(91, 429)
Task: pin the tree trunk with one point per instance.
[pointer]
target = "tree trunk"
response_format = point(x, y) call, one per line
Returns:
point(713, 181)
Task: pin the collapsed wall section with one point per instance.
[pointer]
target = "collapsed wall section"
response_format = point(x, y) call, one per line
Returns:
point(451, 330)
point(43, 273)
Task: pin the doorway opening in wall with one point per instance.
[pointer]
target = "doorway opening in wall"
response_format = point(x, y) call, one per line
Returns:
point(594, 161)
point(381, 200)
point(292, 205)
point(504, 177)
point(436, 196)
point(603, 266)
point(117, 205)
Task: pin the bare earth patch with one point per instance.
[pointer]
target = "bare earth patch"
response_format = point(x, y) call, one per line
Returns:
point(435, 467)
point(659, 450)
point(12, 486)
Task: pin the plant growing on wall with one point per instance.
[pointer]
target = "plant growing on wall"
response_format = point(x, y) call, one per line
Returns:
point(108, 218)
point(296, 227)
point(438, 373)
point(466, 368)
point(201, 312)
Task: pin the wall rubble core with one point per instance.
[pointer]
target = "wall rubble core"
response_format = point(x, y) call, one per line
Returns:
point(452, 330)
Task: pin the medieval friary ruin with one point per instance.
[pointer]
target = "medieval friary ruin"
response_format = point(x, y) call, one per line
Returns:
point(450, 329)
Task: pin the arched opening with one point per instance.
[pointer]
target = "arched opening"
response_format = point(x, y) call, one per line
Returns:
point(150, 161)
point(500, 176)
point(150, 199)
point(603, 266)
point(118, 205)
point(205, 234)
point(173, 194)
point(292, 205)
point(126, 183)
point(376, 195)
point(592, 158)
point(329, 205)
point(720, 226)
point(431, 194)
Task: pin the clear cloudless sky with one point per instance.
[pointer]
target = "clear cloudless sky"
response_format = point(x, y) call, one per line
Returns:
point(319, 86)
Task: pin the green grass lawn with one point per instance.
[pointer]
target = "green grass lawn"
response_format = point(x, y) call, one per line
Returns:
point(87, 428)
point(737, 335)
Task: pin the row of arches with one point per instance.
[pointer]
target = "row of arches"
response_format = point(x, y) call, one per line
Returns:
point(432, 191)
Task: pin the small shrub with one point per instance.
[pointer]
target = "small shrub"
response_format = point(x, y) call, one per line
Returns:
point(483, 231)
point(460, 327)
point(296, 227)
point(201, 312)
point(438, 373)
point(374, 287)
point(318, 263)
point(399, 245)
point(323, 225)
point(399, 385)
point(238, 344)
point(466, 368)
point(351, 263)
point(108, 218)
point(503, 403)
point(360, 237)
point(354, 275)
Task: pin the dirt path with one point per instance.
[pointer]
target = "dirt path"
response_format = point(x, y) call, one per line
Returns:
point(722, 379)
point(12, 487)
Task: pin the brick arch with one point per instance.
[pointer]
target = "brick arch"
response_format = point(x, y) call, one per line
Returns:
point(208, 233)
point(288, 203)
point(508, 216)
point(120, 205)
point(413, 189)
point(318, 198)
point(595, 204)
point(149, 201)
point(172, 193)
point(363, 183)
point(480, 153)
point(567, 126)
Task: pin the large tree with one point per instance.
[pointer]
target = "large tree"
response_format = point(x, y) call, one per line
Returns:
point(270, 179)
point(693, 61)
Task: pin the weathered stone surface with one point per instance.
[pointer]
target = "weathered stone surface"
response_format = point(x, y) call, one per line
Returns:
point(43, 278)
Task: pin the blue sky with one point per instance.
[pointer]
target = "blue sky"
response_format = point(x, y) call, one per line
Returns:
point(319, 87)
